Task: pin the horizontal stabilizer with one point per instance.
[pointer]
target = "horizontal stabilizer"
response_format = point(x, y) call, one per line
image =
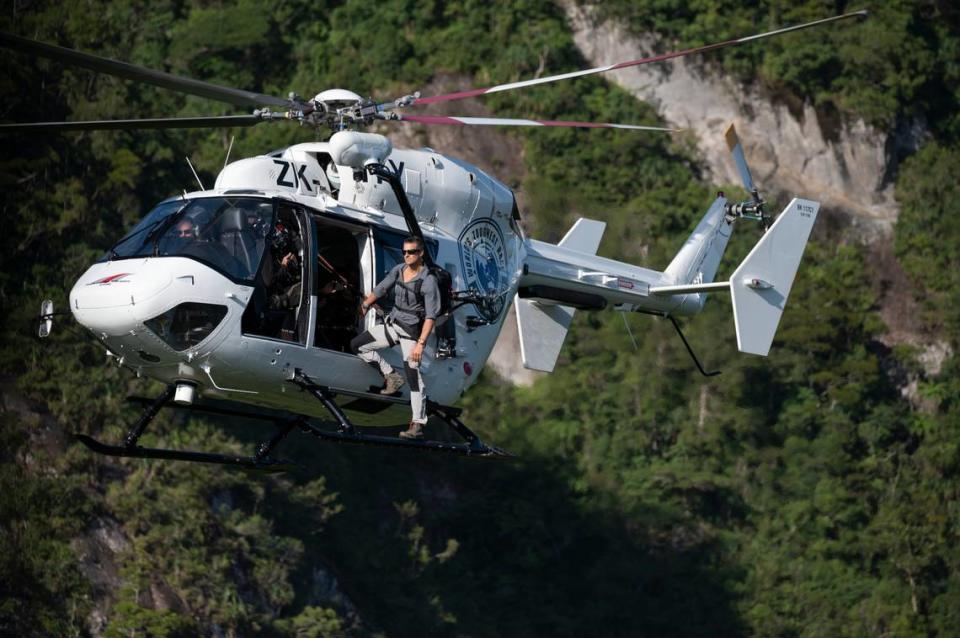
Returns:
point(761, 284)
point(543, 327)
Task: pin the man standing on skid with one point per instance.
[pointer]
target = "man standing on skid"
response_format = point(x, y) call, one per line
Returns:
point(415, 308)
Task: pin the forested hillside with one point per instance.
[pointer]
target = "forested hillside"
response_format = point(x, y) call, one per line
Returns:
point(814, 492)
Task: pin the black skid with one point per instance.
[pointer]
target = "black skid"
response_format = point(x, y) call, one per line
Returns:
point(346, 431)
point(137, 452)
point(260, 460)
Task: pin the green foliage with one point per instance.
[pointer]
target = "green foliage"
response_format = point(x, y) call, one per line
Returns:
point(928, 236)
point(315, 622)
point(795, 495)
point(204, 532)
point(42, 592)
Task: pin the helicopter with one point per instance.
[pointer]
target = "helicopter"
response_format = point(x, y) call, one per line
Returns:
point(192, 295)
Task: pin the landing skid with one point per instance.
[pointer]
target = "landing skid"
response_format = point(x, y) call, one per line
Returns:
point(346, 432)
point(269, 465)
point(260, 460)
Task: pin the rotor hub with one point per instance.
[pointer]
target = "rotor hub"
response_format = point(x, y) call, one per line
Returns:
point(335, 99)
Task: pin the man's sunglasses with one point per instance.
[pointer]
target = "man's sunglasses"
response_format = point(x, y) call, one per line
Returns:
point(415, 251)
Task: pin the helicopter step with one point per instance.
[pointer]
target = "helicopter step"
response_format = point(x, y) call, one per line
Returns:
point(348, 433)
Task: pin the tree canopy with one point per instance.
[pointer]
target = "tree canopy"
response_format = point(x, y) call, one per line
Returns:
point(810, 493)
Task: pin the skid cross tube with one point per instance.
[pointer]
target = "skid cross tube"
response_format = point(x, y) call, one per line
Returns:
point(148, 415)
point(449, 416)
point(326, 397)
point(267, 446)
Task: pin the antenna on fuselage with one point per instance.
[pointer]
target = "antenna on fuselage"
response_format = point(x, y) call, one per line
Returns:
point(190, 164)
point(229, 148)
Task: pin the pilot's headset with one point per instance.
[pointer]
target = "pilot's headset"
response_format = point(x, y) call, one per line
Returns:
point(281, 240)
point(259, 220)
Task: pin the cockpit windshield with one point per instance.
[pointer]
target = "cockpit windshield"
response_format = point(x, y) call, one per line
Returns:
point(227, 233)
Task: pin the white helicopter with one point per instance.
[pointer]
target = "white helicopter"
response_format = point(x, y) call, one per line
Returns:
point(191, 296)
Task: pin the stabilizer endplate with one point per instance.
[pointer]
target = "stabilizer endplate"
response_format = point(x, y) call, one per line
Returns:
point(542, 328)
point(761, 284)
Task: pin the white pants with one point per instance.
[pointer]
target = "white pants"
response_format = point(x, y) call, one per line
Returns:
point(386, 336)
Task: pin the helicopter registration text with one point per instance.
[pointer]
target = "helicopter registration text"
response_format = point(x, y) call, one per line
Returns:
point(295, 173)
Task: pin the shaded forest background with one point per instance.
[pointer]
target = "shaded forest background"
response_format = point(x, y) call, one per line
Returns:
point(814, 492)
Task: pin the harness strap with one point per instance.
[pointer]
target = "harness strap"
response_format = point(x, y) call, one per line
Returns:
point(401, 333)
point(386, 332)
point(417, 291)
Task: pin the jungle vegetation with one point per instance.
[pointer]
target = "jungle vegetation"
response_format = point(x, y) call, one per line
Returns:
point(804, 494)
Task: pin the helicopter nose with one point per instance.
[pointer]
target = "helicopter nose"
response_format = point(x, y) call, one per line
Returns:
point(112, 298)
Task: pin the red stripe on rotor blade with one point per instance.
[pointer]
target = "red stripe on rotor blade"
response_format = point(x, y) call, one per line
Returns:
point(675, 54)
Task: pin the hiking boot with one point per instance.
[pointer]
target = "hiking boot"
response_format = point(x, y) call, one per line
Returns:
point(394, 381)
point(415, 431)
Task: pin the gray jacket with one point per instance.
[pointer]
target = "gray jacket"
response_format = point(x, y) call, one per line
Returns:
point(408, 310)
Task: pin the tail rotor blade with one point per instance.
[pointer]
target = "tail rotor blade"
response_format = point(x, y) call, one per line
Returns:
point(736, 149)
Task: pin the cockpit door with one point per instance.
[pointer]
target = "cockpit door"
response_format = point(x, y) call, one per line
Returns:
point(280, 305)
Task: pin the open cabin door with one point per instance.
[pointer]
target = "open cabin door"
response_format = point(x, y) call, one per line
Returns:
point(342, 273)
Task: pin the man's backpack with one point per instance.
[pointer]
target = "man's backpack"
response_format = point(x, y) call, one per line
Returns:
point(444, 286)
point(446, 330)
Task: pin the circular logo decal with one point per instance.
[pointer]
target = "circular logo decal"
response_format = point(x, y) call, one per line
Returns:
point(484, 262)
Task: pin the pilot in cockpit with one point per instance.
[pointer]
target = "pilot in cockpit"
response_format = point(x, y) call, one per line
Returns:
point(186, 229)
point(286, 272)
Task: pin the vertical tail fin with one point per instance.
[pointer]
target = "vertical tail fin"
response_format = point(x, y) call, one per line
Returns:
point(761, 284)
point(698, 258)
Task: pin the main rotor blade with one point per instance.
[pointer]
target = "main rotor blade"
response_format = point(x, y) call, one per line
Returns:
point(141, 74)
point(736, 149)
point(223, 121)
point(498, 121)
point(447, 97)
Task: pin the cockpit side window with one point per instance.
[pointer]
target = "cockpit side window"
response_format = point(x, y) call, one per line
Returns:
point(132, 241)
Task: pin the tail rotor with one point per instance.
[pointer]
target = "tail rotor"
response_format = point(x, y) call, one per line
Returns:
point(753, 208)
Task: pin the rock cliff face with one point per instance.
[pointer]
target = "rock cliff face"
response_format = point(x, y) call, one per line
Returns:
point(847, 166)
